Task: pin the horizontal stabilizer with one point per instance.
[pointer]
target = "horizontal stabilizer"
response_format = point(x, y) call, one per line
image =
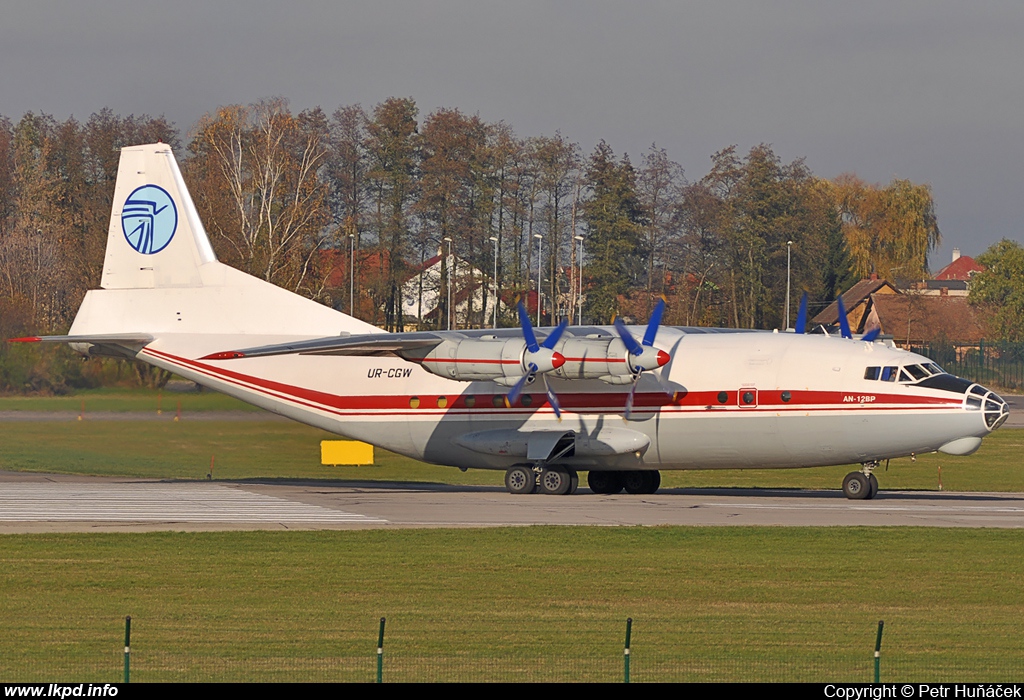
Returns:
point(101, 339)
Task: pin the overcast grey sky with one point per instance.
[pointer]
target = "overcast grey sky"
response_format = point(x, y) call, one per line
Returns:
point(926, 90)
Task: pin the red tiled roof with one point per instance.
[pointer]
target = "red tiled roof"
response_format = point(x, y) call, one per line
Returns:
point(960, 269)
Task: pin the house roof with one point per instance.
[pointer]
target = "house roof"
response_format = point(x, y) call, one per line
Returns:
point(960, 269)
point(912, 317)
point(852, 298)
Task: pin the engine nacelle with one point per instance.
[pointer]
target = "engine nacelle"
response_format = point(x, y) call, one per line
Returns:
point(604, 358)
point(499, 360)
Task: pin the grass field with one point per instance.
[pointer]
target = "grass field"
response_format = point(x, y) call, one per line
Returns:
point(279, 449)
point(541, 603)
point(126, 400)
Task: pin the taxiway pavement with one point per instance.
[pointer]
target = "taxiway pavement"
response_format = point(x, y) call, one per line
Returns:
point(60, 503)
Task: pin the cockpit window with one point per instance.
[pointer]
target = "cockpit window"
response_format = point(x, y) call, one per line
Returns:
point(934, 368)
point(889, 374)
point(917, 371)
point(872, 372)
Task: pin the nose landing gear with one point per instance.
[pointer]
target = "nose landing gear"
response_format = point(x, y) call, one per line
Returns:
point(862, 485)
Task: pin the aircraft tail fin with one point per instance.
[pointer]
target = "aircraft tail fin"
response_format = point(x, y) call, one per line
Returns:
point(160, 274)
point(156, 238)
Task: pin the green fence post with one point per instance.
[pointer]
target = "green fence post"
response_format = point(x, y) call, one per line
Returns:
point(380, 653)
point(127, 647)
point(878, 652)
point(625, 653)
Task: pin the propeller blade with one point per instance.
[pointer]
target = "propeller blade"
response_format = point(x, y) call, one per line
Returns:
point(517, 390)
point(629, 398)
point(654, 322)
point(628, 340)
point(665, 385)
point(555, 335)
point(871, 335)
point(844, 323)
point(801, 316)
point(528, 334)
point(552, 398)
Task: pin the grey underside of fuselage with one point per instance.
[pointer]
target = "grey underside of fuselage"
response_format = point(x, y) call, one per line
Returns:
point(714, 439)
point(727, 441)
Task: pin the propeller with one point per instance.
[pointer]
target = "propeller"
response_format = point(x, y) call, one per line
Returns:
point(552, 398)
point(801, 316)
point(642, 357)
point(538, 359)
point(844, 325)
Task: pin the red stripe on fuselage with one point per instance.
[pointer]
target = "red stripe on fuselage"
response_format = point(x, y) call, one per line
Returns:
point(580, 402)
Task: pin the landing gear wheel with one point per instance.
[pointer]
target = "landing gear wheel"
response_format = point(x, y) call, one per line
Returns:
point(520, 480)
point(873, 483)
point(574, 481)
point(641, 482)
point(554, 482)
point(856, 486)
point(605, 483)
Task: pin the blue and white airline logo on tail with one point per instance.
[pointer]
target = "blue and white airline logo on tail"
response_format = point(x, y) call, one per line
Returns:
point(149, 219)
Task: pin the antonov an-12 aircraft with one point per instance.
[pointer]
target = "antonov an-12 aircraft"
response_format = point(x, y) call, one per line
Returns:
point(616, 401)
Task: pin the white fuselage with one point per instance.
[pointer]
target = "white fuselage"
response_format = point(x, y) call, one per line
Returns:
point(833, 415)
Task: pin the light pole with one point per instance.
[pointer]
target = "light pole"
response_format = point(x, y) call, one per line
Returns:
point(579, 297)
point(448, 272)
point(539, 238)
point(494, 240)
point(789, 251)
point(352, 276)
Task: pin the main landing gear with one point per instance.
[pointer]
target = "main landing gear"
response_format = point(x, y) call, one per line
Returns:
point(862, 485)
point(558, 481)
point(555, 481)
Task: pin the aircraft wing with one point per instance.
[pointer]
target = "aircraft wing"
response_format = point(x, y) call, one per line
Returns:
point(374, 344)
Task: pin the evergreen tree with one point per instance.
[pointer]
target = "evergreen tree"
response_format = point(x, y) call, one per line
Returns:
point(614, 223)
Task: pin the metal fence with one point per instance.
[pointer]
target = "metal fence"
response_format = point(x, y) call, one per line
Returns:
point(996, 365)
point(341, 659)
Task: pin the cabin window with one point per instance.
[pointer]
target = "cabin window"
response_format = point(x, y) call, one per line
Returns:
point(723, 397)
point(498, 401)
point(442, 402)
point(786, 396)
point(414, 402)
point(526, 400)
point(889, 374)
point(470, 401)
point(748, 397)
point(872, 372)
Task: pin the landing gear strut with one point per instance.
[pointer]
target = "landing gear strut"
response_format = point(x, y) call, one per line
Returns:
point(862, 485)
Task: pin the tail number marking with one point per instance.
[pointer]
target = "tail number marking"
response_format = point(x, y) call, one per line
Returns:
point(390, 373)
point(858, 398)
